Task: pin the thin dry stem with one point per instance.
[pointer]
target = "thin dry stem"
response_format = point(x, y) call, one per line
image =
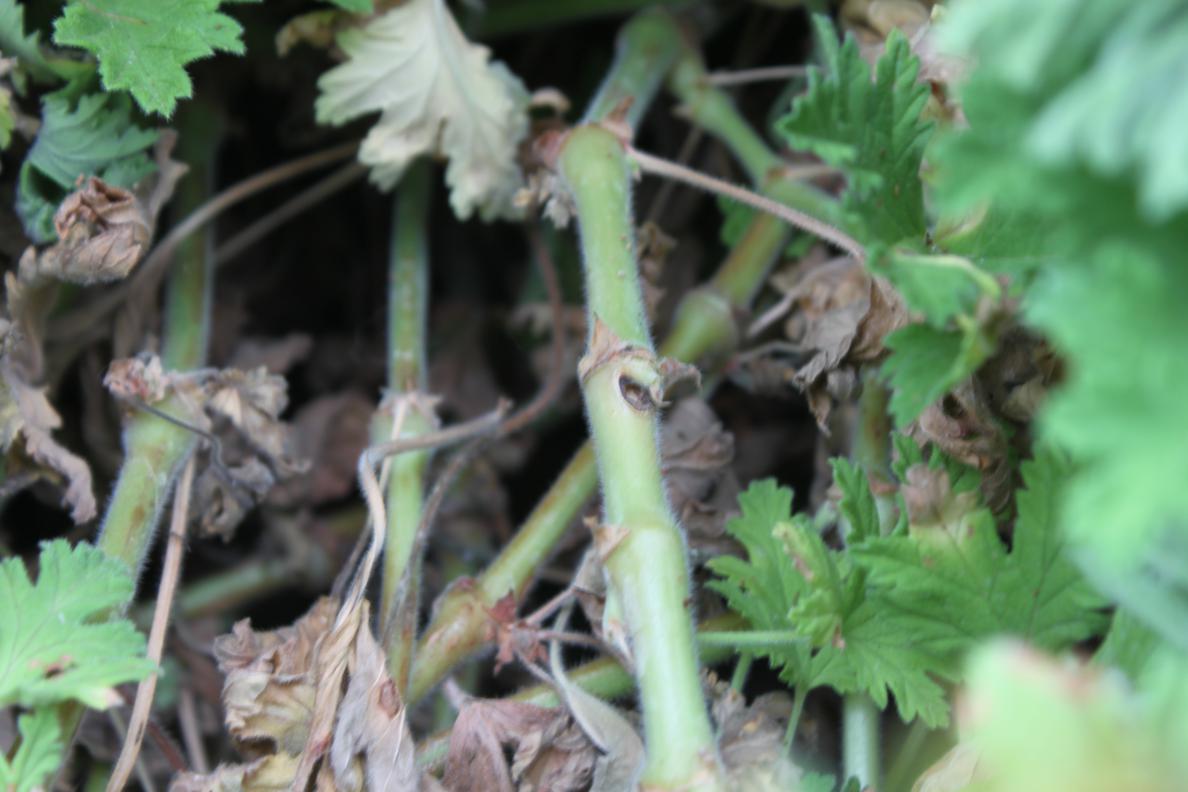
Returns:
point(191, 731)
point(150, 271)
point(672, 170)
point(307, 198)
point(170, 575)
point(373, 494)
point(759, 74)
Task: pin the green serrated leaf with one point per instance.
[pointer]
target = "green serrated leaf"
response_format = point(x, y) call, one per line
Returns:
point(39, 754)
point(857, 504)
point(872, 130)
point(927, 362)
point(14, 41)
point(94, 136)
point(792, 581)
point(940, 287)
point(143, 46)
point(49, 652)
point(955, 573)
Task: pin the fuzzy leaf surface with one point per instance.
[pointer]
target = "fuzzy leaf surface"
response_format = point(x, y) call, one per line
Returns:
point(1071, 121)
point(437, 94)
point(872, 130)
point(39, 754)
point(143, 46)
point(94, 136)
point(793, 581)
point(952, 571)
point(49, 650)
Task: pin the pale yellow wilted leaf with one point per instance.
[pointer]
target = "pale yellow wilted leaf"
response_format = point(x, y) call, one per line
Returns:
point(438, 94)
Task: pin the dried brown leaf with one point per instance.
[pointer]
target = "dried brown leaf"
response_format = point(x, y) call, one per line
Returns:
point(103, 230)
point(270, 685)
point(330, 431)
point(620, 746)
point(751, 738)
point(371, 723)
point(26, 413)
point(272, 773)
point(702, 488)
point(549, 751)
point(964, 426)
point(840, 316)
point(242, 409)
point(931, 502)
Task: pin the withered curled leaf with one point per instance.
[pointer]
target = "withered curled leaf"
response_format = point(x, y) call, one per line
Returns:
point(371, 725)
point(26, 414)
point(103, 230)
point(549, 750)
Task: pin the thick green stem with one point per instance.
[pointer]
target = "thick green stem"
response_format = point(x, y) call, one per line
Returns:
point(712, 109)
point(154, 449)
point(460, 624)
point(703, 331)
point(860, 739)
point(640, 541)
point(645, 51)
point(407, 371)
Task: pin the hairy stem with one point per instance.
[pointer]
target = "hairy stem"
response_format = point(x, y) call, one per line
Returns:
point(640, 540)
point(645, 51)
point(154, 449)
point(703, 331)
point(407, 373)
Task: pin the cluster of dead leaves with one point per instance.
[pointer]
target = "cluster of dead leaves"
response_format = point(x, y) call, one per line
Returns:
point(840, 314)
point(288, 714)
point(237, 412)
point(103, 232)
point(314, 701)
point(697, 455)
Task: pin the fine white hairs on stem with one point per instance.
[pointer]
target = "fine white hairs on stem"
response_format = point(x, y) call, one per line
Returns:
point(174, 549)
point(373, 492)
point(672, 170)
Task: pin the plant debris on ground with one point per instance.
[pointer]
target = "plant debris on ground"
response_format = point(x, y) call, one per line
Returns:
point(593, 396)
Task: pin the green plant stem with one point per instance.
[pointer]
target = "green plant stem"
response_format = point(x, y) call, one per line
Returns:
point(860, 739)
point(408, 298)
point(752, 639)
point(799, 696)
point(645, 50)
point(712, 109)
point(155, 449)
point(703, 332)
point(460, 620)
point(225, 592)
point(645, 562)
point(871, 449)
